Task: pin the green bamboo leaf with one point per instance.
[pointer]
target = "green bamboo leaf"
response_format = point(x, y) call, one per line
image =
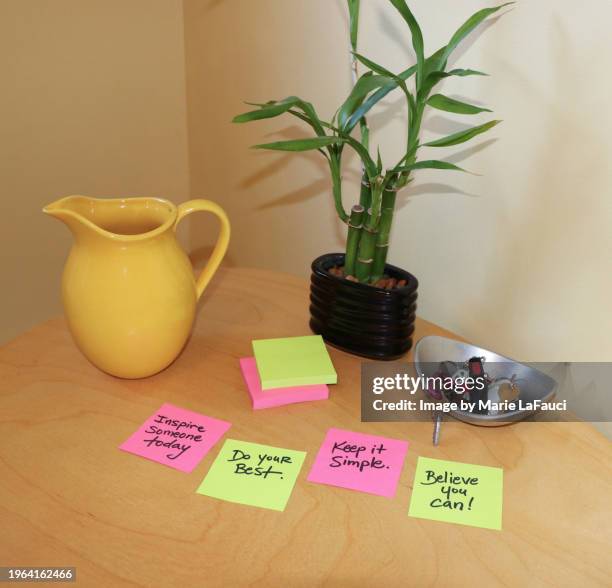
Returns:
point(413, 106)
point(375, 98)
point(365, 133)
point(303, 117)
point(368, 162)
point(276, 108)
point(447, 104)
point(353, 6)
point(417, 36)
point(462, 136)
point(266, 111)
point(436, 76)
point(466, 72)
point(429, 164)
point(379, 69)
point(379, 163)
point(435, 62)
point(366, 84)
point(301, 144)
point(468, 26)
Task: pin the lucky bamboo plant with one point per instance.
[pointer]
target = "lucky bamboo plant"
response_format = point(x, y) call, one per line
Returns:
point(369, 222)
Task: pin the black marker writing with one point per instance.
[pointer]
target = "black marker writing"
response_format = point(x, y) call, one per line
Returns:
point(177, 424)
point(153, 430)
point(448, 478)
point(169, 444)
point(346, 448)
point(242, 468)
point(361, 464)
point(273, 458)
point(239, 455)
point(448, 487)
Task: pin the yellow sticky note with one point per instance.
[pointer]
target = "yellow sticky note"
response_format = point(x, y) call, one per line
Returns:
point(293, 361)
point(253, 474)
point(459, 493)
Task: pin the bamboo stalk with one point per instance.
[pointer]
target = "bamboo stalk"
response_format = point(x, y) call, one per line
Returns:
point(367, 243)
point(365, 258)
point(352, 240)
point(365, 198)
point(382, 238)
point(334, 166)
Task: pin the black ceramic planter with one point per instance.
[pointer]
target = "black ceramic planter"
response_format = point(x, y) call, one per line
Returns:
point(367, 321)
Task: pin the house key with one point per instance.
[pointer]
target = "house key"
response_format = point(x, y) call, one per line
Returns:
point(437, 418)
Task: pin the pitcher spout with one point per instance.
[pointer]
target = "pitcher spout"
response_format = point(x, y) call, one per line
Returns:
point(55, 208)
point(67, 210)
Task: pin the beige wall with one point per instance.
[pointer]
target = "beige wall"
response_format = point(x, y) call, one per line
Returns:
point(518, 260)
point(92, 102)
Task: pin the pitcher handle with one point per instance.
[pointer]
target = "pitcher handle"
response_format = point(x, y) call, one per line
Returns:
point(200, 205)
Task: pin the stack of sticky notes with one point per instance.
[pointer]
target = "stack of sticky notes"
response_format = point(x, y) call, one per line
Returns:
point(284, 371)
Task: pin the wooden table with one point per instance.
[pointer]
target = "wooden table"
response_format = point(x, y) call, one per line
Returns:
point(69, 497)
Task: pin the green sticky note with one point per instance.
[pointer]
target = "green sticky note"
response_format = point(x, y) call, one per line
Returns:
point(459, 493)
point(294, 361)
point(253, 474)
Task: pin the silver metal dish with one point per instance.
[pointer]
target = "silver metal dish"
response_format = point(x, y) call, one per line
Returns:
point(533, 384)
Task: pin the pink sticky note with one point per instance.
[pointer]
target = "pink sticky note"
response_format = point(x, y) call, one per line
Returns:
point(360, 462)
point(277, 396)
point(176, 437)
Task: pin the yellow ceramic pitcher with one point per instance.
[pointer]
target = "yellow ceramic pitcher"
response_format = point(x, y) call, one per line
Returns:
point(128, 288)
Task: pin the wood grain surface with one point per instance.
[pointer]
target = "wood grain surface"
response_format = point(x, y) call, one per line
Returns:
point(70, 497)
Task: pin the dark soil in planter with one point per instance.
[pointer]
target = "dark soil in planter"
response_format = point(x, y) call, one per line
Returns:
point(386, 282)
point(359, 318)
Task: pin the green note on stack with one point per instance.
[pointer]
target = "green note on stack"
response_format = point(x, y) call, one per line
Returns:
point(294, 361)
